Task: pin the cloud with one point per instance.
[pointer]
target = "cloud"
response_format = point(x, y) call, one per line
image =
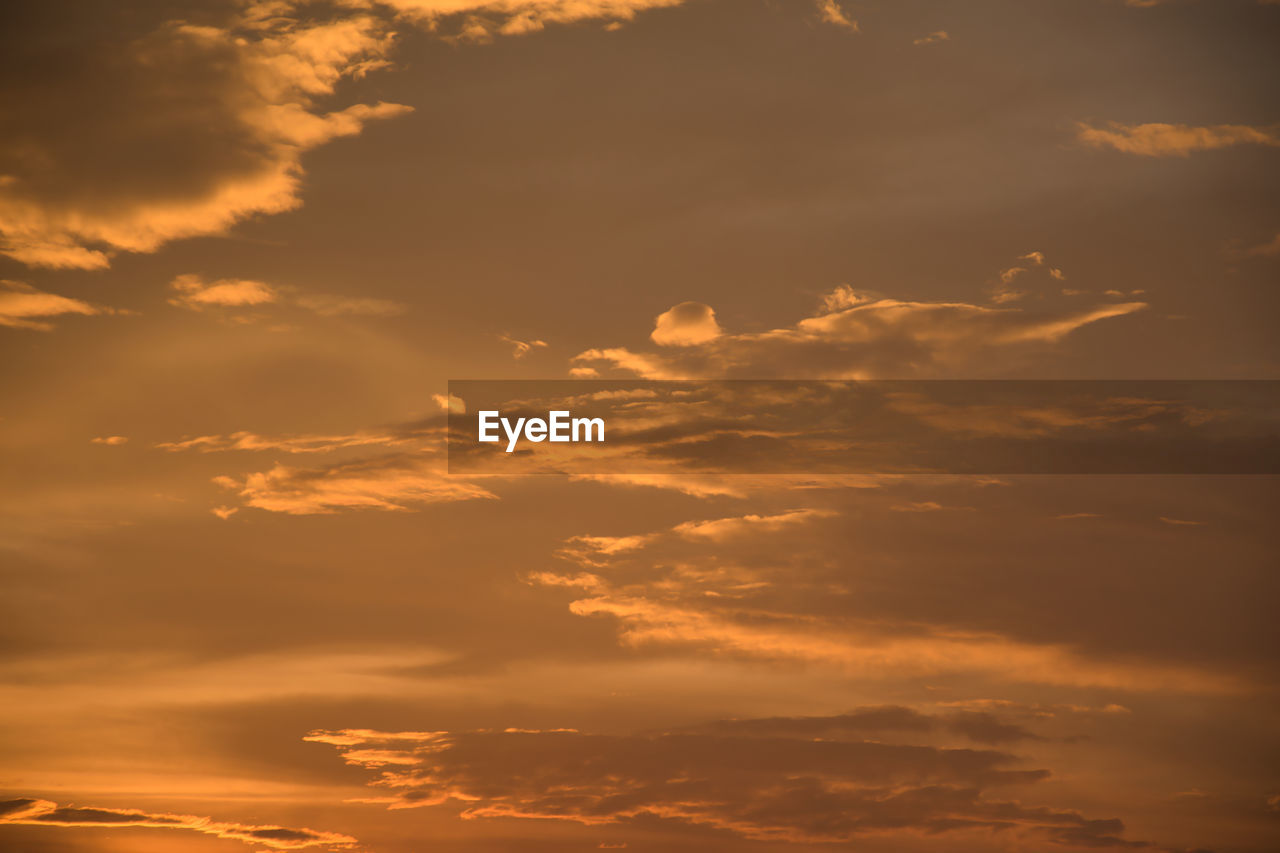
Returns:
point(245, 440)
point(450, 403)
point(723, 529)
point(519, 349)
point(980, 726)
point(758, 588)
point(1003, 292)
point(195, 293)
point(844, 296)
point(394, 483)
point(856, 337)
point(932, 38)
point(686, 324)
point(181, 131)
point(767, 780)
point(24, 307)
point(596, 550)
point(483, 20)
point(33, 812)
point(1269, 249)
point(1172, 140)
point(111, 440)
point(414, 475)
point(333, 305)
point(832, 14)
point(925, 506)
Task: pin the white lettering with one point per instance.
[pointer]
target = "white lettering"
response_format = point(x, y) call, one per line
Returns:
point(587, 424)
point(559, 426)
point(488, 421)
point(513, 435)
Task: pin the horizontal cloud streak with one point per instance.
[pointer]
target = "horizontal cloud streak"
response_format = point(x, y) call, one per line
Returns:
point(33, 812)
point(768, 780)
point(855, 337)
point(1156, 139)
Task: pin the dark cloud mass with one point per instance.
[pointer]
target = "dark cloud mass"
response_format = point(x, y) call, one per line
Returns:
point(777, 784)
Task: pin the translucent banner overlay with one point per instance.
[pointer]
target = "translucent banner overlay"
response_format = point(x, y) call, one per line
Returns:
point(993, 427)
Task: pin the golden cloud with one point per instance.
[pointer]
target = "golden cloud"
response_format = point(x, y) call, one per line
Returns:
point(24, 307)
point(181, 132)
point(33, 812)
point(1157, 139)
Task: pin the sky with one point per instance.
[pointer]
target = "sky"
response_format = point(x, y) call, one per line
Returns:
point(245, 246)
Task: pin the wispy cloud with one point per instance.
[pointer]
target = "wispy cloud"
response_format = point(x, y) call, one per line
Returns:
point(24, 307)
point(519, 349)
point(832, 13)
point(35, 812)
point(1172, 140)
point(394, 483)
point(932, 38)
point(193, 292)
point(855, 336)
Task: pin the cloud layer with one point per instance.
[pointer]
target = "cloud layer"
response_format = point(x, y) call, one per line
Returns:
point(804, 780)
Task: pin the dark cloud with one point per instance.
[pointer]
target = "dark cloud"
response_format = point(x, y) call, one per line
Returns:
point(779, 783)
point(138, 130)
point(978, 726)
point(31, 812)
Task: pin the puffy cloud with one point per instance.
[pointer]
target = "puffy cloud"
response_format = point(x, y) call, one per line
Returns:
point(24, 307)
point(1004, 292)
point(450, 403)
point(111, 440)
point(178, 132)
point(804, 780)
point(844, 296)
point(831, 13)
point(33, 812)
point(196, 294)
point(1172, 140)
point(685, 324)
point(856, 337)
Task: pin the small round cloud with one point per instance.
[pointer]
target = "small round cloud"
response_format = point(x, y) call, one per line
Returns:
point(686, 324)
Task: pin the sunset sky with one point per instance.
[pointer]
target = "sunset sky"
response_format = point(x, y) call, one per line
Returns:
point(245, 246)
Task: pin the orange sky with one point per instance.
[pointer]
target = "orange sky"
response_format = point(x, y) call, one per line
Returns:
point(244, 246)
